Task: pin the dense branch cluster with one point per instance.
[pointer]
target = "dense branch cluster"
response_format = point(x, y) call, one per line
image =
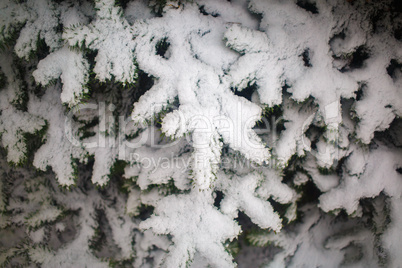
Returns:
point(167, 133)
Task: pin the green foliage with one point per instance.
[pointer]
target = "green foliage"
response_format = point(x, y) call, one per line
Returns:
point(276, 111)
point(99, 238)
point(21, 96)
point(7, 254)
point(166, 189)
point(113, 263)
point(34, 204)
point(158, 6)
point(7, 40)
point(259, 238)
point(33, 141)
point(122, 3)
point(314, 133)
point(85, 129)
point(232, 247)
point(309, 194)
point(117, 169)
point(3, 194)
point(162, 46)
point(3, 80)
point(326, 171)
point(39, 192)
point(42, 49)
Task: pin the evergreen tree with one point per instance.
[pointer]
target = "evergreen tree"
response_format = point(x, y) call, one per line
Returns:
point(150, 133)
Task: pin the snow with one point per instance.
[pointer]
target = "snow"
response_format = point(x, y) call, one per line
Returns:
point(323, 182)
point(12, 16)
point(111, 35)
point(205, 230)
point(239, 195)
point(319, 240)
point(204, 96)
point(156, 160)
point(293, 139)
point(62, 144)
point(13, 131)
point(147, 241)
point(258, 65)
point(392, 236)
point(379, 175)
point(375, 113)
point(291, 36)
point(137, 10)
point(71, 67)
point(43, 15)
point(191, 120)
